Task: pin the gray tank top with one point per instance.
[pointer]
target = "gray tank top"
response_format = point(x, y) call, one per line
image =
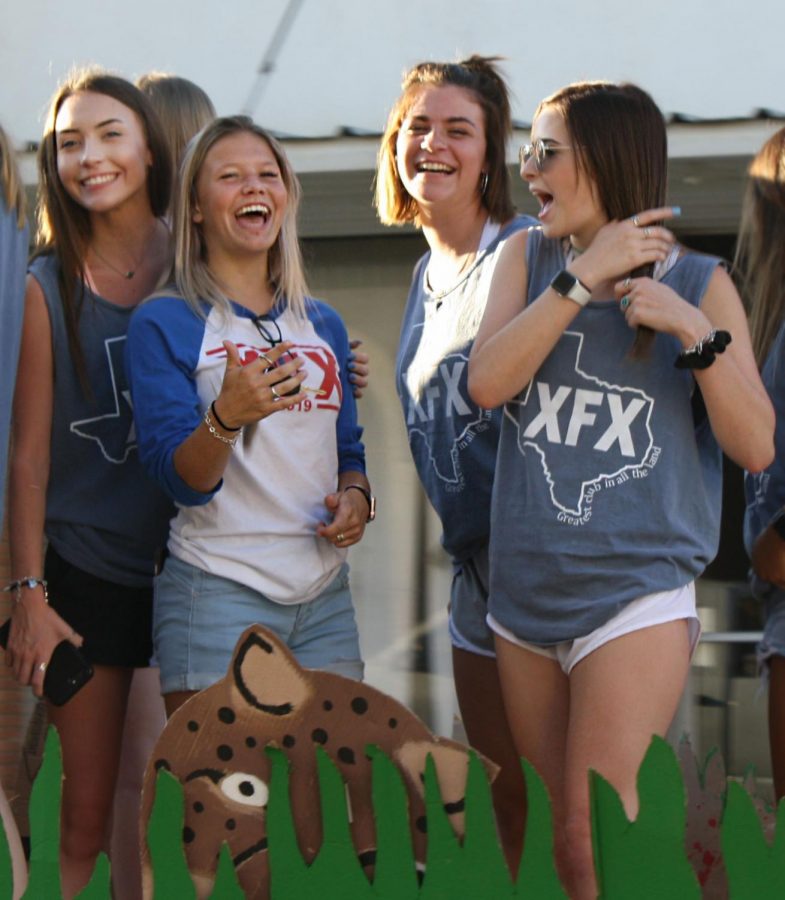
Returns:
point(607, 488)
point(103, 514)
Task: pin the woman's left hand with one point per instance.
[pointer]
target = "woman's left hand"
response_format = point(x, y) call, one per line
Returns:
point(654, 305)
point(350, 512)
point(358, 369)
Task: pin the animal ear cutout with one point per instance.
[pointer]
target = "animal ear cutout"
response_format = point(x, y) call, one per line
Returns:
point(267, 675)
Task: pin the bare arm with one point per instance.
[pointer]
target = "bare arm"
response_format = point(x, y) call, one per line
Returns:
point(36, 628)
point(515, 337)
point(246, 397)
point(739, 409)
point(350, 511)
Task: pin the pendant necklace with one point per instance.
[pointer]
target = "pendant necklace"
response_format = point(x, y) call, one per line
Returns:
point(128, 274)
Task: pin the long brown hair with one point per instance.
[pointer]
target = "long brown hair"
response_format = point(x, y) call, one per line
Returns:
point(760, 261)
point(481, 77)
point(182, 107)
point(620, 141)
point(10, 181)
point(63, 226)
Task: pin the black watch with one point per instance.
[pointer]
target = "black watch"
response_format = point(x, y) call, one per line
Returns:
point(368, 496)
point(778, 523)
point(568, 285)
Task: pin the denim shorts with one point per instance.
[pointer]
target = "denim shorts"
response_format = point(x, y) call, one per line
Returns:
point(469, 605)
point(199, 617)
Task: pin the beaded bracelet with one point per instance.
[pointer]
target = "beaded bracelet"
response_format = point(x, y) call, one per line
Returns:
point(217, 434)
point(29, 582)
point(703, 352)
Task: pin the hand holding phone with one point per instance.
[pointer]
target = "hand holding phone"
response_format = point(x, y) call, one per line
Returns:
point(66, 672)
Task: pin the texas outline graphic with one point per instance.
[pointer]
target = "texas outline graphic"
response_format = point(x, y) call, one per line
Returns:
point(114, 432)
point(577, 506)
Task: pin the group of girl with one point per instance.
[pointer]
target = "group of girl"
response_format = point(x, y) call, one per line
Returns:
point(568, 388)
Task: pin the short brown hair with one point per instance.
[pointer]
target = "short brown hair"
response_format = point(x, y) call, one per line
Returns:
point(480, 76)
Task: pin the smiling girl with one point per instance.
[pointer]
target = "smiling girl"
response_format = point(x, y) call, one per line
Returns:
point(245, 416)
point(606, 504)
point(75, 477)
point(442, 166)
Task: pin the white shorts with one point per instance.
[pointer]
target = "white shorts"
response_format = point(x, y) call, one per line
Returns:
point(651, 609)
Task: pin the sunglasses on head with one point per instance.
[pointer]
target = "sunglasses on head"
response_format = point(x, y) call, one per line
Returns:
point(540, 151)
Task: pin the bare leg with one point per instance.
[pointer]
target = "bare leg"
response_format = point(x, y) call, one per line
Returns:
point(485, 719)
point(777, 723)
point(18, 864)
point(91, 729)
point(145, 717)
point(536, 697)
point(175, 700)
point(620, 695)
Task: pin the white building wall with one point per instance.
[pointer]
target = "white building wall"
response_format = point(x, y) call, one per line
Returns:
point(342, 59)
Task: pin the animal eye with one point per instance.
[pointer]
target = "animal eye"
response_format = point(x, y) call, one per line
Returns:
point(245, 788)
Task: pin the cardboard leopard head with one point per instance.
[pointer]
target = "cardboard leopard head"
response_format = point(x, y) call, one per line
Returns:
point(215, 746)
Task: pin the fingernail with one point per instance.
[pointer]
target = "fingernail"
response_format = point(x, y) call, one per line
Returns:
point(352, 377)
point(676, 210)
point(351, 357)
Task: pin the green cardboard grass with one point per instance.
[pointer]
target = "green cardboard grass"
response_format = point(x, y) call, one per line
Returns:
point(644, 859)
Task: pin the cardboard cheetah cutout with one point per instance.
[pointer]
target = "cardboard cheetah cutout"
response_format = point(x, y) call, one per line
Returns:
point(215, 746)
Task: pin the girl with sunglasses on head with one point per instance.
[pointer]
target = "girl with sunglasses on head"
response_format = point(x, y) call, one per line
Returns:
point(442, 167)
point(75, 478)
point(761, 266)
point(606, 503)
point(245, 416)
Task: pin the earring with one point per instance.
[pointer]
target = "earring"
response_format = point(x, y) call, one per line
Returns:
point(483, 182)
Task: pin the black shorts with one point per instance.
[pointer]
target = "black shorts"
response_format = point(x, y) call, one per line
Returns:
point(116, 621)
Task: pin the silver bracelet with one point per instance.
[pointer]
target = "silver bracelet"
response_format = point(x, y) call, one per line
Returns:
point(29, 582)
point(208, 421)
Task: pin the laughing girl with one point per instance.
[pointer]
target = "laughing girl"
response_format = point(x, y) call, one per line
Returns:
point(606, 504)
point(245, 416)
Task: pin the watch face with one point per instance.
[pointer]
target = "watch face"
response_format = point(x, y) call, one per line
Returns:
point(564, 282)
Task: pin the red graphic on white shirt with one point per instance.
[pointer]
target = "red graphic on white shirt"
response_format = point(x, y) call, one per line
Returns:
point(327, 395)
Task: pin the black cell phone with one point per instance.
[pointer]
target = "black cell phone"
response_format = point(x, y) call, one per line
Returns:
point(68, 670)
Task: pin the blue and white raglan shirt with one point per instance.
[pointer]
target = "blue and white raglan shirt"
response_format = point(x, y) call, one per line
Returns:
point(608, 484)
point(258, 526)
point(453, 441)
point(765, 491)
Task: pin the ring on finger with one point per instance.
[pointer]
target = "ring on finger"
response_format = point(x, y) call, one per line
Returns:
point(647, 232)
point(626, 284)
point(340, 537)
point(636, 221)
point(41, 667)
point(274, 392)
point(624, 302)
